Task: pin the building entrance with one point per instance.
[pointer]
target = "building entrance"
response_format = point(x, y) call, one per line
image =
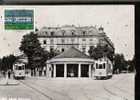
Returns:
point(72, 70)
point(84, 70)
point(59, 70)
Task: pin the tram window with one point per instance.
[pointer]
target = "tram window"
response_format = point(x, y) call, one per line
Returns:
point(96, 66)
point(104, 65)
point(100, 66)
point(109, 66)
point(20, 67)
point(16, 67)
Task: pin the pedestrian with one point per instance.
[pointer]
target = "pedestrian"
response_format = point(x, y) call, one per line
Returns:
point(44, 69)
point(40, 71)
point(9, 74)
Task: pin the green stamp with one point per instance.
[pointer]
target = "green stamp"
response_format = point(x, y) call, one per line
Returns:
point(19, 20)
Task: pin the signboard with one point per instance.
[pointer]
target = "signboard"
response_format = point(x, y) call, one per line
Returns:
point(19, 19)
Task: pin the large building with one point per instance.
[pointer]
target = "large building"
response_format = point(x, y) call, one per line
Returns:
point(61, 38)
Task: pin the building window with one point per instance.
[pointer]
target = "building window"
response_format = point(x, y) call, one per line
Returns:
point(84, 33)
point(72, 40)
point(63, 32)
point(44, 42)
point(83, 49)
point(51, 41)
point(72, 32)
point(83, 39)
point(52, 33)
point(63, 41)
point(62, 49)
point(46, 32)
point(90, 40)
point(51, 48)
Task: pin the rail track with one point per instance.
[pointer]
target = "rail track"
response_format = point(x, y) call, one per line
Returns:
point(105, 87)
point(37, 90)
point(48, 89)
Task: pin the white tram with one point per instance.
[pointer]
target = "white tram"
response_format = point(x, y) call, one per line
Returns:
point(19, 70)
point(103, 68)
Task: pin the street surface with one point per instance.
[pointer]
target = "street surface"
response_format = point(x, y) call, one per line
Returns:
point(119, 87)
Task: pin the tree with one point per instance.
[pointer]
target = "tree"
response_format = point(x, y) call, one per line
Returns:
point(7, 62)
point(32, 48)
point(131, 65)
point(101, 51)
point(120, 63)
point(53, 53)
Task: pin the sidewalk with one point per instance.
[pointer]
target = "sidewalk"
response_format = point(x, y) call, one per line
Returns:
point(4, 82)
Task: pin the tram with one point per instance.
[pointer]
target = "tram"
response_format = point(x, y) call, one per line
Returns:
point(19, 70)
point(103, 68)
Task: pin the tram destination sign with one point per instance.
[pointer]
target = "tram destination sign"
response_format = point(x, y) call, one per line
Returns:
point(19, 20)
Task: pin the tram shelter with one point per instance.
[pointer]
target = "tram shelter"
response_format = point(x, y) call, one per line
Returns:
point(70, 63)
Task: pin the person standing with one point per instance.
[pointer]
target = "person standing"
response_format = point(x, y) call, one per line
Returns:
point(9, 74)
point(44, 69)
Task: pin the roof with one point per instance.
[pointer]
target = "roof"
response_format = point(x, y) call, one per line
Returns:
point(72, 53)
point(68, 30)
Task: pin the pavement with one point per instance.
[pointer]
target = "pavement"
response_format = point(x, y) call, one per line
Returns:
point(119, 87)
point(5, 81)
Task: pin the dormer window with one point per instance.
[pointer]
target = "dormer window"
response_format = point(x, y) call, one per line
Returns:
point(63, 32)
point(84, 33)
point(44, 42)
point(52, 33)
point(62, 49)
point(72, 32)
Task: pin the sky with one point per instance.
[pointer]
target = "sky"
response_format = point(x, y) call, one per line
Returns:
point(117, 20)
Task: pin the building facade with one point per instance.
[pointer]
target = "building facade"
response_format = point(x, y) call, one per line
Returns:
point(82, 38)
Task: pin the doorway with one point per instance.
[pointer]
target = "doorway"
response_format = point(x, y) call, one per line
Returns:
point(72, 70)
point(84, 70)
point(59, 70)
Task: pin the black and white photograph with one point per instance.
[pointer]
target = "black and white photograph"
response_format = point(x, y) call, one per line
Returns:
point(67, 52)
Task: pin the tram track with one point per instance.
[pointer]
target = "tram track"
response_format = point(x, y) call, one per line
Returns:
point(50, 90)
point(111, 92)
point(89, 98)
point(108, 88)
point(37, 90)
